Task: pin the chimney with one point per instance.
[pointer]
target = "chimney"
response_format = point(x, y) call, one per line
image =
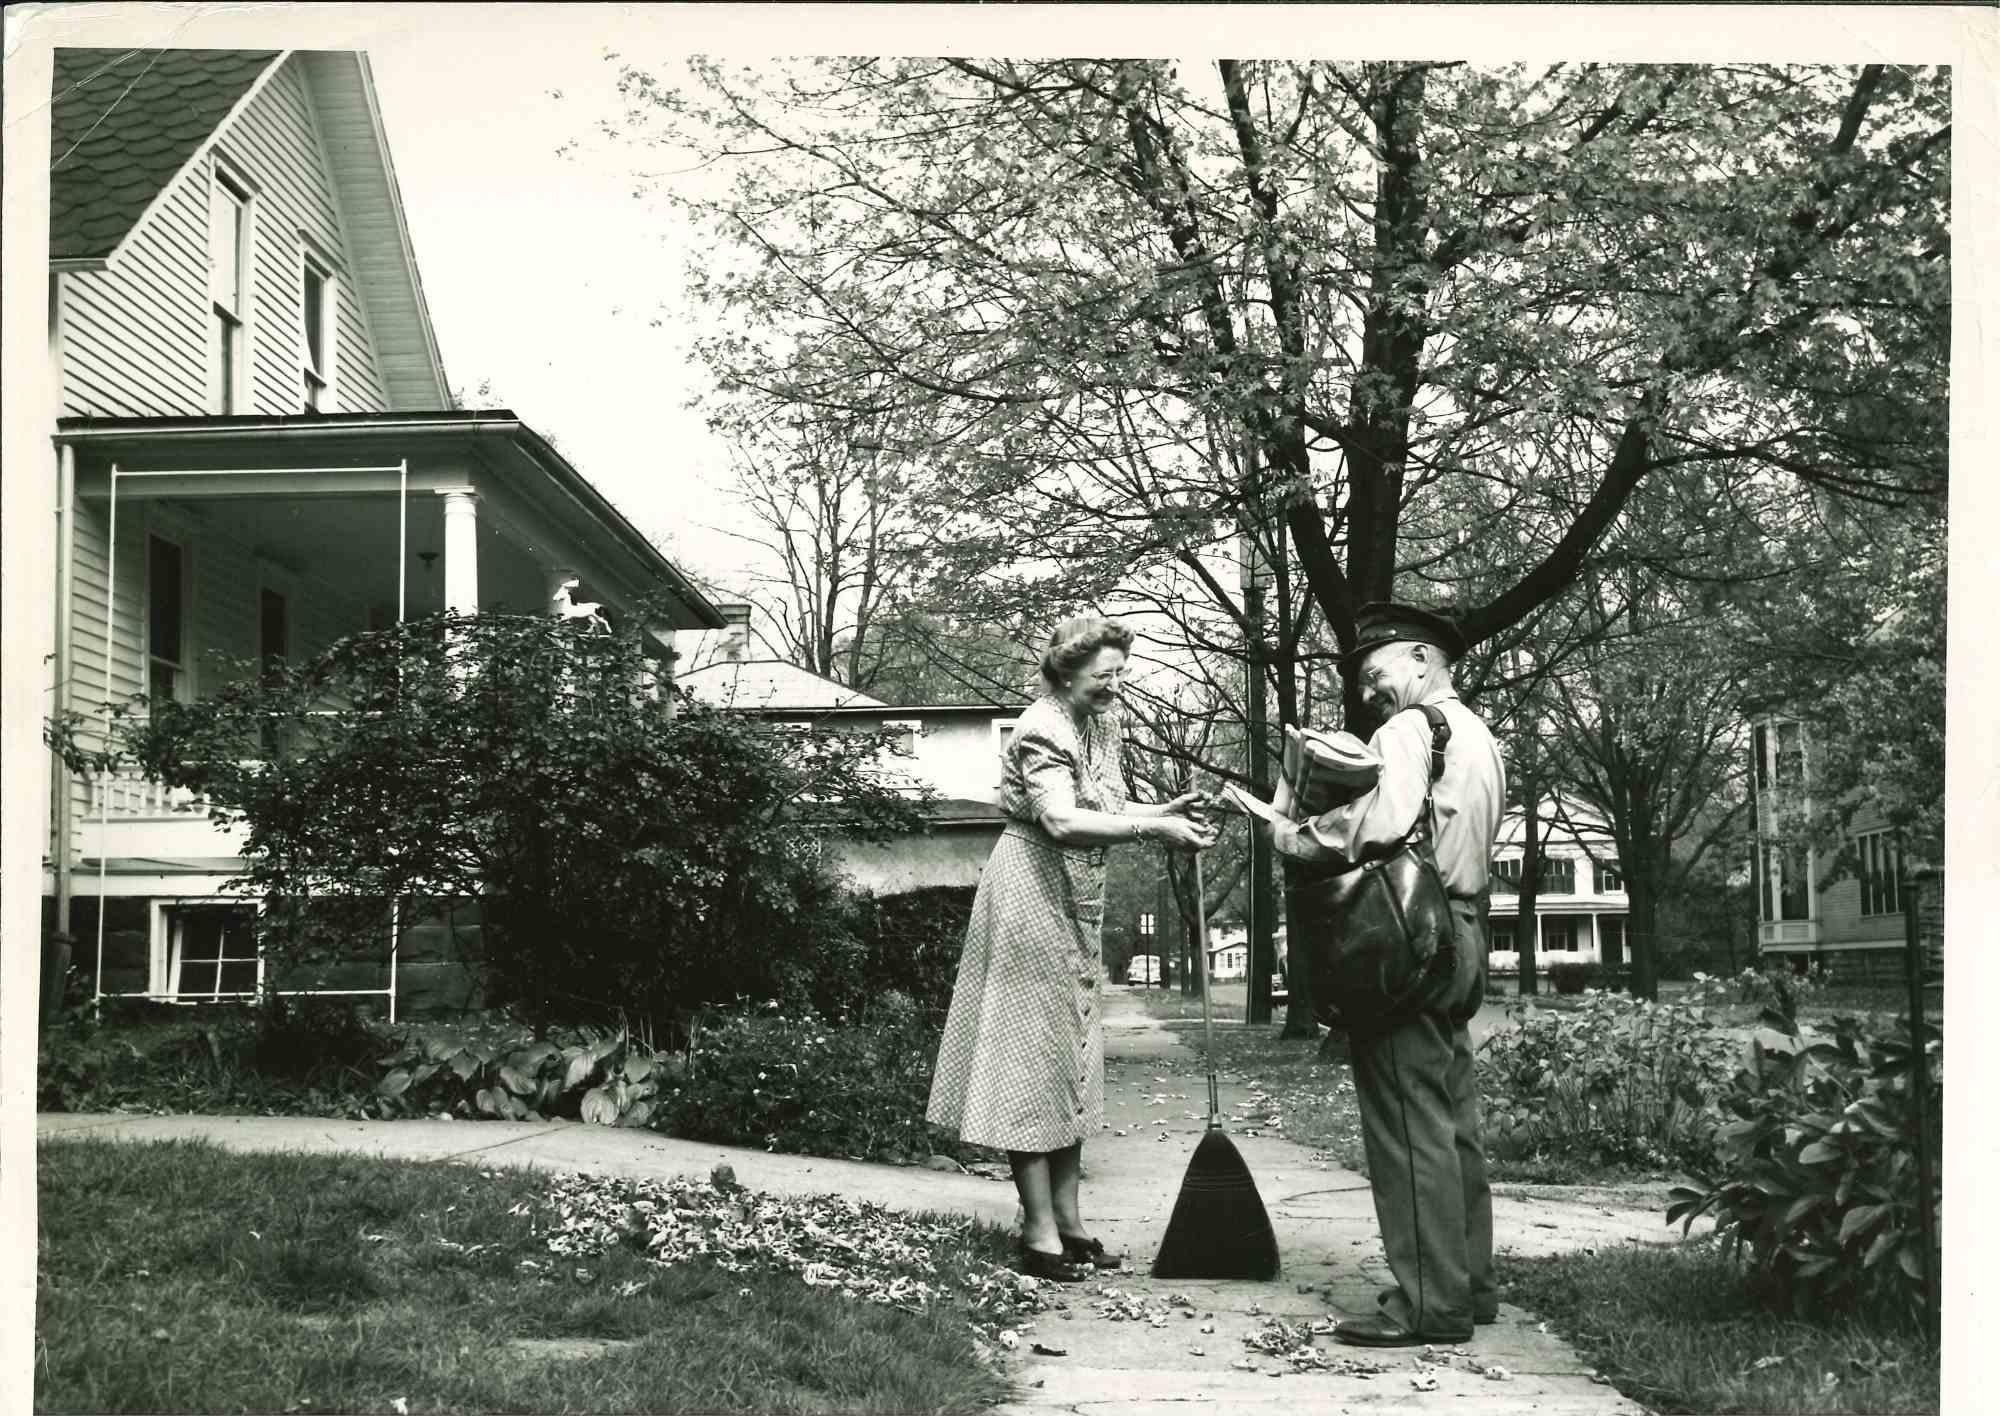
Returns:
point(736, 632)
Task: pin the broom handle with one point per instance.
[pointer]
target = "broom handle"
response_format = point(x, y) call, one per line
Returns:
point(1207, 1013)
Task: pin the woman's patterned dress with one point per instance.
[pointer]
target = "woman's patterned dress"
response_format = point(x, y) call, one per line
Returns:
point(1021, 1065)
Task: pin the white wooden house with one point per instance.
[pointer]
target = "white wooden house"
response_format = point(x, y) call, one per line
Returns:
point(954, 749)
point(257, 453)
point(1582, 905)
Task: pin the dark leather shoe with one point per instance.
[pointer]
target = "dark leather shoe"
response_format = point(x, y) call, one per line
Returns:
point(1057, 1268)
point(1379, 1331)
point(1090, 1251)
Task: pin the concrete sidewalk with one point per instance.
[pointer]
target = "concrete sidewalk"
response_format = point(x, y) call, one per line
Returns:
point(1155, 1107)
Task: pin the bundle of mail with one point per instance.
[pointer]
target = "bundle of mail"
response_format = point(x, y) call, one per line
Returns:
point(1321, 771)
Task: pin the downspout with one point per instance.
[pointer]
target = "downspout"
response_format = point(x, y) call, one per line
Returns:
point(58, 956)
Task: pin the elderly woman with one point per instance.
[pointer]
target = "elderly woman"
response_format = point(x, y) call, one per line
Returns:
point(1021, 1065)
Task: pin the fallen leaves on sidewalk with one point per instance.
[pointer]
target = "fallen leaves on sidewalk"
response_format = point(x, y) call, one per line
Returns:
point(1292, 1344)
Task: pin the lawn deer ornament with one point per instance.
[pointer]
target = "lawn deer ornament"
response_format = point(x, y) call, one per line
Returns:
point(587, 611)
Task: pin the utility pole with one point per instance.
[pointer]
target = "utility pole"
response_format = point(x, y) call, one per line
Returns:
point(1262, 911)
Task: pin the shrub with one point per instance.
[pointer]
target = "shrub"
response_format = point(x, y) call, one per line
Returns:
point(811, 1085)
point(283, 1055)
point(911, 944)
point(1818, 1179)
point(1772, 987)
point(1618, 1080)
point(635, 856)
point(1575, 977)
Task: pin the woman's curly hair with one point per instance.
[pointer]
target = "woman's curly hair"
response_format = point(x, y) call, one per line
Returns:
point(1075, 640)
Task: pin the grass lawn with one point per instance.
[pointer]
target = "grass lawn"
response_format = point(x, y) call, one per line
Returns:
point(1171, 1005)
point(181, 1277)
point(1675, 1330)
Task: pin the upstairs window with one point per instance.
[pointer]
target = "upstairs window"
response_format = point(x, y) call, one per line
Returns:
point(317, 292)
point(1610, 879)
point(228, 289)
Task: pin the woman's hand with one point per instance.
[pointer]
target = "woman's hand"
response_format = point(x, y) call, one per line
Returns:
point(1195, 805)
point(1184, 833)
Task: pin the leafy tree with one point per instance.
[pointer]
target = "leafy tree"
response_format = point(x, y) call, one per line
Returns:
point(1390, 285)
point(633, 853)
point(1651, 717)
point(1414, 329)
point(833, 541)
point(1860, 662)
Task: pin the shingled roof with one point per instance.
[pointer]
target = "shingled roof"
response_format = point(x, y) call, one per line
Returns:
point(122, 123)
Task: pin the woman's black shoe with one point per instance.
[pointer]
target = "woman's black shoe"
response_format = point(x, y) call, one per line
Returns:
point(1090, 1251)
point(1057, 1268)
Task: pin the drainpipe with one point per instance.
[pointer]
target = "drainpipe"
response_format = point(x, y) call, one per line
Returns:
point(55, 959)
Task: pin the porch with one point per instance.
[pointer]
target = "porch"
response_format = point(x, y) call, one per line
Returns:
point(194, 551)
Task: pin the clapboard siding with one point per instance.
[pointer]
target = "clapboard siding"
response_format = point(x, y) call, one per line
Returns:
point(274, 141)
point(135, 336)
point(393, 313)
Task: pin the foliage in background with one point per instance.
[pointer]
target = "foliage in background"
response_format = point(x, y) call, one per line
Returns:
point(1816, 1179)
point(1775, 988)
point(636, 855)
point(1471, 335)
point(1615, 1081)
point(608, 1080)
point(307, 1057)
point(910, 944)
point(812, 1085)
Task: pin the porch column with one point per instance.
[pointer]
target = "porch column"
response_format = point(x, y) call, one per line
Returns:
point(461, 550)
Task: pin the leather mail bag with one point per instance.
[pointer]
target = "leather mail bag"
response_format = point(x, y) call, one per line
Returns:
point(1382, 942)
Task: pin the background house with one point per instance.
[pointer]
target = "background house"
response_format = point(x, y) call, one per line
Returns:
point(954, 749)
point(1582, 904)
point(1807, 910)
point(257, 454)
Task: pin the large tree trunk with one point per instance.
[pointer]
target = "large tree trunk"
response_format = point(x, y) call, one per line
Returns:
point(1527, 932)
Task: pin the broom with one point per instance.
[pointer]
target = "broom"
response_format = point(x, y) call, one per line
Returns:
point(1219, 1228)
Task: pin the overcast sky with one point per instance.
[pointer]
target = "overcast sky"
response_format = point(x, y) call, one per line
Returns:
point(545, 273)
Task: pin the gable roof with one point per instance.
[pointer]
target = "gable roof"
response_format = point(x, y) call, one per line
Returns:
point(770, 684)
point(122, 123)
point(125, 123)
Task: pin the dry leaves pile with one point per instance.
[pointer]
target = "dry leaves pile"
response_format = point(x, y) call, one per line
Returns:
point(1292, 1344)
point(860, 1250)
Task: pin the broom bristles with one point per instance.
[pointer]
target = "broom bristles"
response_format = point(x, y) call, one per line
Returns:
point(1219, 1228)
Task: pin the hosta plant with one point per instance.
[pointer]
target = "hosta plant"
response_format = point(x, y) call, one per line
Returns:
point(1818, 1178)
point(610, 1080)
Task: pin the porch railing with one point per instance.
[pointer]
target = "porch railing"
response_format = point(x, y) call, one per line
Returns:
point(127, 794)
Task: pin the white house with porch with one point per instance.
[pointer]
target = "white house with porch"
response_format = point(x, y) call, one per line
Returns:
point(256, 453)
point(954, 749)
point(1582, 904)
